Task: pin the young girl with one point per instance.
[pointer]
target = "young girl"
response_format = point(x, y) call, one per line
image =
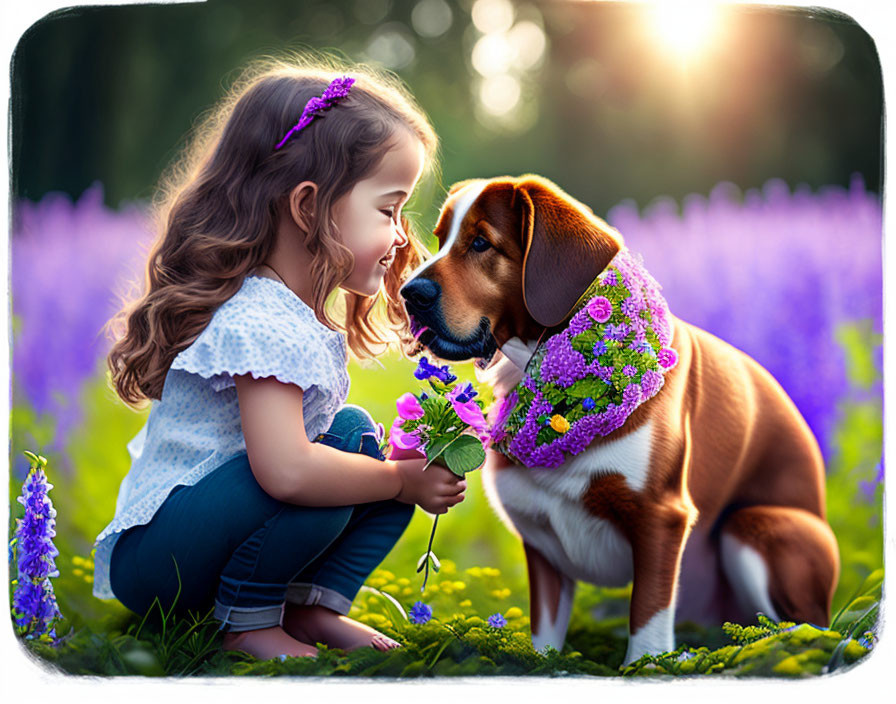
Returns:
point(294, 188)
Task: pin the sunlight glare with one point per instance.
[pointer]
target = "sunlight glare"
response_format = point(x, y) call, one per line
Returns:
point(685, 27)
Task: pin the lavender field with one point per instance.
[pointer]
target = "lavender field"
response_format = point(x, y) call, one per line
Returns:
point(791, 277)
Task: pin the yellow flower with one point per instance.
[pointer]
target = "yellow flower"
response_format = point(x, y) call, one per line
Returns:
point(88, 578)
point(513, 612)
point(465, 602)
point(404, 581)
point(559, 423)
point(474, 571)
point(501, 593)
point(459, 585)
point(491, 571)
point(77, 571)
point(385, 574)
point(78, 560)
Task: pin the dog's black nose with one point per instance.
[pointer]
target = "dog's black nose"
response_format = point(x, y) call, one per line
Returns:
point(421, 294)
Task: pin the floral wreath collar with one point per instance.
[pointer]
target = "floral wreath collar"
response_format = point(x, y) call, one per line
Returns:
point(587, 379)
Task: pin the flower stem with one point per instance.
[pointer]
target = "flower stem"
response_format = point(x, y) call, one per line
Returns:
point(432, 535)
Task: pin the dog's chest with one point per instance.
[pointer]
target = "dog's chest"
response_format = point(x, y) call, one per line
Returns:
point(546, 507)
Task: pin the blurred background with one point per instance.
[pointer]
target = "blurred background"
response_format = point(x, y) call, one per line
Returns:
point(737, 148)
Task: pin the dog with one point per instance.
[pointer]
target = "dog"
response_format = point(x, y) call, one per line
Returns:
point(710, 497)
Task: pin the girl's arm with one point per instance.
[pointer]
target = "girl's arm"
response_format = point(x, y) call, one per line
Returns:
point(292, 469)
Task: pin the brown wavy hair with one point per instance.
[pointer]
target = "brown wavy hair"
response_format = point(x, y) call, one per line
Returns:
point(216, 210)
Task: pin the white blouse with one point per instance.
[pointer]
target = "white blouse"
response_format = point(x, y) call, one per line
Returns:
point(264, 329)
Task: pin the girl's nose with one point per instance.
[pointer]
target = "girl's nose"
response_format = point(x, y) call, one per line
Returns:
point(402, 235)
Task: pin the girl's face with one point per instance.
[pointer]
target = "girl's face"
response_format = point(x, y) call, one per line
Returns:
point(368, 216)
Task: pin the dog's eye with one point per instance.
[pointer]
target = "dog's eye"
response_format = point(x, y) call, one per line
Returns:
point(480, 244)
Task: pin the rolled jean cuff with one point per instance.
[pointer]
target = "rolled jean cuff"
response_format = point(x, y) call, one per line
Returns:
point(247, 618)
point(305, 594)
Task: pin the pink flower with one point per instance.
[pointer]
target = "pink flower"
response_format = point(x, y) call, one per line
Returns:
point(471, 414)
point(402, 440)
point(409, 407)
point(667, 357)
point(600, 309)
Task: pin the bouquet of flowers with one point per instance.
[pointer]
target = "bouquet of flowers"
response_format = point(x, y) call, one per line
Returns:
point(447, 427)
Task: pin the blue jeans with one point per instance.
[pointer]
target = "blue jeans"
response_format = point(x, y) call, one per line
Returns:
point(249, 554)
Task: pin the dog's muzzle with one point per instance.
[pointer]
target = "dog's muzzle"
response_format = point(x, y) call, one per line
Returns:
point(422, 301)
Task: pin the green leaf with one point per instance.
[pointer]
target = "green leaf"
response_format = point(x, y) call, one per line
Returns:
point(464, 455)
point(589, 386)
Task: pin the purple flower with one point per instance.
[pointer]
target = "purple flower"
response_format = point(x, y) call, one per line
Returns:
point(629, 370)
point(616, 332)
point(562, 363)
point(600, 308)
point(667, 357)
point(420, 613)
point(425, 370)
point(34, 599)
point(609, 279)
point(71, 262)
point(643, 347)
point(497, 621)
point(462, 392)
point(755, 269)
point(651, 382)
point(600, 347)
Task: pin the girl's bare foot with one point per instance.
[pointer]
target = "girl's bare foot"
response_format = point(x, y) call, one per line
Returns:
point(267, 643)
point(318, 624)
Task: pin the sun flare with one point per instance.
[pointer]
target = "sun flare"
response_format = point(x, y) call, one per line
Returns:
point(684, 28)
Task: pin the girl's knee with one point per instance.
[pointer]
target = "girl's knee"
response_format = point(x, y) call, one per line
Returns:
point(353, 430)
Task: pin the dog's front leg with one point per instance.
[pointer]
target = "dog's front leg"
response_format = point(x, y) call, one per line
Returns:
point(656, 552)
point(550, 601)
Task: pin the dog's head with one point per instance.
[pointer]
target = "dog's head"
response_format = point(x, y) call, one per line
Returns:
point(515, 255)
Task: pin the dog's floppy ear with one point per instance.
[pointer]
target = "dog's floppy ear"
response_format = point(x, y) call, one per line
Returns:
point(565, 247)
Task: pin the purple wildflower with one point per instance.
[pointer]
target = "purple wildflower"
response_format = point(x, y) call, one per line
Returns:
point(600, 347)
point(609, 279)
point(600, 309)
point(629, 370)
point(70, 264)
point(425, 370)
point(754, 268)
point(34, 599)
point(497, 621)
point(420, 613)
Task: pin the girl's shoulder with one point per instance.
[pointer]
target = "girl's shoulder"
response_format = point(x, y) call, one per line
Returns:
point(265, 329)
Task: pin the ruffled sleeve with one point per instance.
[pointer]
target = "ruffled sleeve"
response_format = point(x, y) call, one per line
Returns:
point(262, 340)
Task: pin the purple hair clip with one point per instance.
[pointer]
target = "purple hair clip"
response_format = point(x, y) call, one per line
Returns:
point(336, 91)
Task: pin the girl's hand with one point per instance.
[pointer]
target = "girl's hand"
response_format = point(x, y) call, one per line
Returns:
point(434, 490)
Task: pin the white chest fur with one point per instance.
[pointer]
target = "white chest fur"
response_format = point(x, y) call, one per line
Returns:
point(545, 507)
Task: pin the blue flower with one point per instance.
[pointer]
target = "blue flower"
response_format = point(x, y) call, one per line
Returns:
point(420, 613)
point(497, 621)
point(466, 393)
point(34, 599)
point(425, 370)
point(588, 403)
point(600, 347)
